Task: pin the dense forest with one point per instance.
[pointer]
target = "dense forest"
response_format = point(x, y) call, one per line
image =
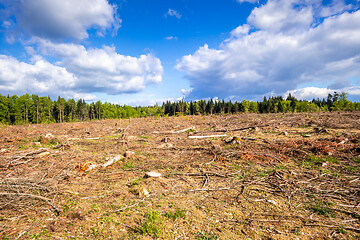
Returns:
point(34, 109)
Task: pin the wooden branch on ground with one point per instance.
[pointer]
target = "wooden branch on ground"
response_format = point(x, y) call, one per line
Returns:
point(15, 163)
point(345, 211)
point(256, 220)
point(201, 174)
point(209, 136)
point(183, 130)
point(134, 205)
point(46, 200)
point(209, 189)
point(332, 226)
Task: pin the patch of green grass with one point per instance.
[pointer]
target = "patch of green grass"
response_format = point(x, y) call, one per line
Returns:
point(317, 161)
point(243, 175)
point(322, 209)
point(152, 225)
point(281, 167)
point(353, 168)
point(190, 130)
point(127, 164)
point(179, 213)
point(135, 182)
point(263, 173)
point(206, 236)
point(95, 208)
point(23, 147)
point(356, 160)
point(116, 136)
point(229, 146)
point(144, 137)
point(341, 230)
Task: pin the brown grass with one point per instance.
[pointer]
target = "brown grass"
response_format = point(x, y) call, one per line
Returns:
point(278, 176)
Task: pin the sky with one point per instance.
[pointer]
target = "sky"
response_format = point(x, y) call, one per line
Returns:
point(140, 52)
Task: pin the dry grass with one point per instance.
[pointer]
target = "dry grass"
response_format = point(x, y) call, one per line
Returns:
point(278, 176)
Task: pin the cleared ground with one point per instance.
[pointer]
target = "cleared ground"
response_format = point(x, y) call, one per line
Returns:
point(270, 176)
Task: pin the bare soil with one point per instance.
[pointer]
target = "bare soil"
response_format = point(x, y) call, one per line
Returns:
point(261, 176)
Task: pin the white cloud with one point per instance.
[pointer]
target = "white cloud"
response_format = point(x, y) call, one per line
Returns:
point(6, 24)
point(41, 77)
point(103, 70)
point(240, 30)
point(249, 1)
point(171, 38)
point(335, 7)
point(186, 92)
point(281, 16)
point(79, 72)
point(309, 93)
point(173, 13)
point(275, 54)
point(58, 19)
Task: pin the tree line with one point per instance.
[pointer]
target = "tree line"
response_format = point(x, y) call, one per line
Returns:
point(34, 109)
point(334, 102)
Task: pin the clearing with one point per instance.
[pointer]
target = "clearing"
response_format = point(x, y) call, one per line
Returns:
point(246, 176)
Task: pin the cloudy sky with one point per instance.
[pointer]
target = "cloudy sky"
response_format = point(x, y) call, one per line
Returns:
point(140, 52)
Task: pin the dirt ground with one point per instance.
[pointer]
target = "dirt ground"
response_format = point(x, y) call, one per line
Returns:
point(247, 176)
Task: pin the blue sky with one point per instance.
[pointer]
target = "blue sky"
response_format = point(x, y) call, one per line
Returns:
point(140, 52)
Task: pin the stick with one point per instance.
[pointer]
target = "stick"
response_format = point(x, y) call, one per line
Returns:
point(332, 226)
point(46, 200)
point(209, 136)
point(122, 209)
point(238, 129)
point(199, 174)
point(209, 189)
point(257, 220)
point(15, 163)
point(183, 130)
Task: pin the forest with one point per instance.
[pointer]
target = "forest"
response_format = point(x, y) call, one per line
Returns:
point(34, 109)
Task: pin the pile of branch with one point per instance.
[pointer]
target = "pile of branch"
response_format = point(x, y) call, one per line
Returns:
point(24, 193)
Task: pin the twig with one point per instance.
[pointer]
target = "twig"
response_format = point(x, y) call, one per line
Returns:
point(257, 220)
point(345, 211)
point(211, 160)
point(239, 129)
point(288, 197)
point(183, 130)
point(209, 136)
point(208, 173)
point(46, 200)
point(135, 204)
point(47, 173)
point(14, 162)
point(25, 231)
point(332, 226)
point(209, 189)
point(206, 177)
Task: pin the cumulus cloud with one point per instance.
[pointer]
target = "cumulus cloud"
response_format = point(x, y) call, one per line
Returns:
point(274, 53)
point(78, 71)
point(173, 13)
point(281, 16)
point(104, 70)
point(41, 77)
point(310, 93)
point(59, 19)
